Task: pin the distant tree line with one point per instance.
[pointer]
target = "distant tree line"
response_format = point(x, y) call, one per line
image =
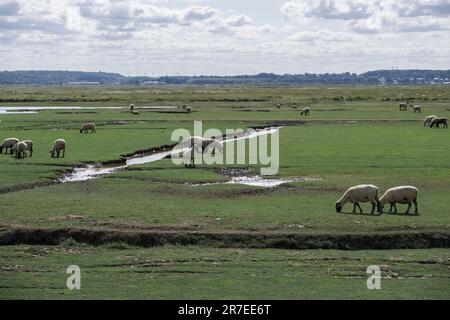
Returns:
point(379, 77)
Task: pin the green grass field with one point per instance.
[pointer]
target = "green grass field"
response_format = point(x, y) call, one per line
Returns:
point(354, 135)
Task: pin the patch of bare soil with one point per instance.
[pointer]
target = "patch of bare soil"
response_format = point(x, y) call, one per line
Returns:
point(13, 235)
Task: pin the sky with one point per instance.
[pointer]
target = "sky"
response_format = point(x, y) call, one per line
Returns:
point(224, 37)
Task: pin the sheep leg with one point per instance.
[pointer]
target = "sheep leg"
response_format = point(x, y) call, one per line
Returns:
point(373, 208)
point(409, 207)
point(392, 206)
point(354, 207)
point(395, 208)
point(360, 210)
point(64, 153)
point(416, 209)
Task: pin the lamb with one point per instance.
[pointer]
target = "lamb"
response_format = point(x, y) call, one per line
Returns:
point(20, 150)
point(360, 193)
point(428, 119)
point(305, 111)
point(58, 146)
point(88, 126)
point(29, 144)
point(417, 109)
point(437, 121)
point(8, 144)
point(403, 195)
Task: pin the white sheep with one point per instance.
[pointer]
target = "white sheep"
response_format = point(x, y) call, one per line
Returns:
point(305, 111)
point(402, 195)
point(428, 120)
point(29, 144)
point(438, 121)
point(360, 193)
point(417, 109)
point(8, 144)
point(88, 126)
point(20, 150)
point(58, 146)
point(206, 143)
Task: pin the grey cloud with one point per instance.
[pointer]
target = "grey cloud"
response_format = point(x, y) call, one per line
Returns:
point(9, 8)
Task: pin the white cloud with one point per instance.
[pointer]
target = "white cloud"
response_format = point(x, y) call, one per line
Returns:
point(213, 37)
point(321, 35)
point(375, 16)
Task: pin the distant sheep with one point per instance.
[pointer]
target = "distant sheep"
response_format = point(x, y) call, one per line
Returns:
point(8, 144)
point(87, 127)
point(205, 143)
point(428, 119)
point(402, 195)
point(417, 109)
point(58, 146)
point(305, 111)
point(131, 107)
point(29, 144)
point(278, 106)
point(20, 150)
point(188, 109)
point(438, 121)
point(360, 193)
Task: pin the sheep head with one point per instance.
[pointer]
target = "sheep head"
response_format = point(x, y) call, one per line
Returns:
point(338, 207)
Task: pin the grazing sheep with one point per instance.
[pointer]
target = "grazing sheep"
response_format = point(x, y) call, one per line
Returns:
point(428, 119)
point(8, 144)
point(88, 126)
point(29, 144)
point(305, 111)
point(58, 146)
point(403, 195)
point(404, 106)
point(184, 106)
point(20, 150)
point(417, 109)
point(360, 193)
point(188, 109)
point(205, 143)
point(438, 121)
point(294, 106)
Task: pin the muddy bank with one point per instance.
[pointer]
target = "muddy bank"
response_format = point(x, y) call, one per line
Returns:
point(287, 123)
point(232, 239)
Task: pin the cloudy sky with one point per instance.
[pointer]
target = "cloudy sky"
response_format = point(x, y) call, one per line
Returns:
point(192, 37)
